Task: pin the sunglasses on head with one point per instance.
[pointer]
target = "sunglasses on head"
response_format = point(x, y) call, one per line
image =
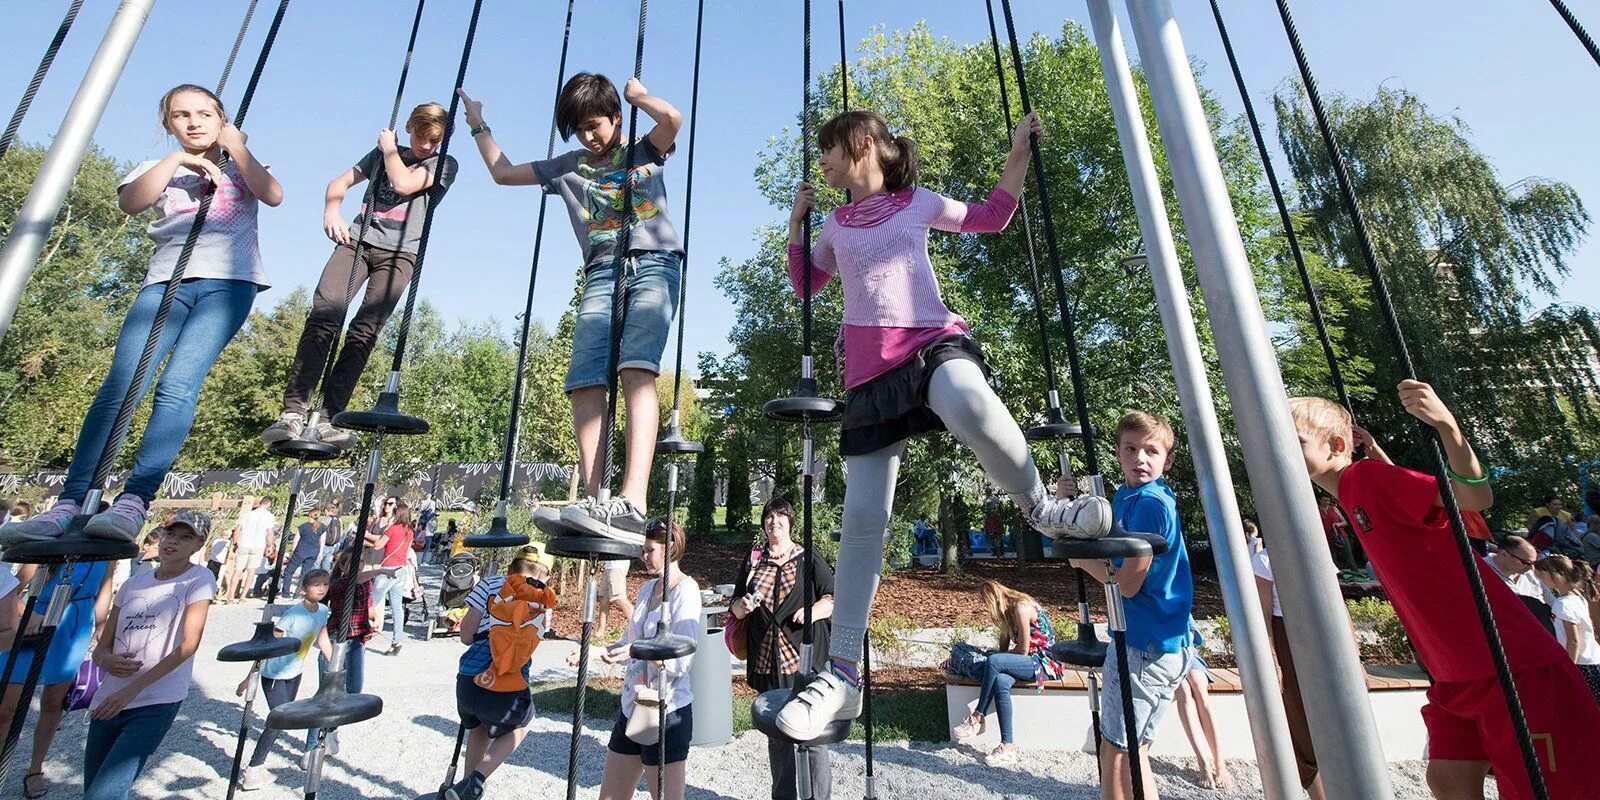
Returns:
point(655, 526)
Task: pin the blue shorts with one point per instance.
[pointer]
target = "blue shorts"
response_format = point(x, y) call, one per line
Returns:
point(652, 302)
point(1154, 678)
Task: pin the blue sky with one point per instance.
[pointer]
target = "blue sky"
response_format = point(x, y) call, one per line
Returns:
point(1513, 72)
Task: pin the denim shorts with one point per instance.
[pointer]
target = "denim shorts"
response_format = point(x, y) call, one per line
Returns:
point(652, 282)
point(1154, 678)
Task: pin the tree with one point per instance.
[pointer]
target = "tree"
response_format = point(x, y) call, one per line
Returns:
point(1465, 256)
point(703, 490)
point(737, 518)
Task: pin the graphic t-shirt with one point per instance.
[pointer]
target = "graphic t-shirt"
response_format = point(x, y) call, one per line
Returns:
point(1158, 615)
point(296, 623)
point(1574, 609)
point(397, 219)
point(593, 193)
point(255, 528)
point(150, 626)
point(1413, 554)
point(229, 246)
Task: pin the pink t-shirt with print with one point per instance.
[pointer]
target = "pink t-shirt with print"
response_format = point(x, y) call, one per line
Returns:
point(229, 246)
point(150, 627)
point(878, 246)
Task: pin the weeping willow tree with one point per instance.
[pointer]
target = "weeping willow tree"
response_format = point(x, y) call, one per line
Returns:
point(1467, 257)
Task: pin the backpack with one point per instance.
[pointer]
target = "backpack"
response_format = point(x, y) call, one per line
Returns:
point(460, 575)
point(966, 660)
point(513, 615)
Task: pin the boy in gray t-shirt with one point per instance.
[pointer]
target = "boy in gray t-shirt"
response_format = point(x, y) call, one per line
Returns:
point(408, 182)
point(591, 181)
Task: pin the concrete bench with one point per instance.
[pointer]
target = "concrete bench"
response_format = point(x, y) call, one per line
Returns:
point(1056, 716)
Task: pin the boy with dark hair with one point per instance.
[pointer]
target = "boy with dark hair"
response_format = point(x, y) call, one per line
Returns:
point(503, 626)
point(591, 181)
point(1158, 594)
point(1399, 516)
point(408, 182)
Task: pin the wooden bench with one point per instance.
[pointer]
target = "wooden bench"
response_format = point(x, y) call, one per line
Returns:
point(1056, 715)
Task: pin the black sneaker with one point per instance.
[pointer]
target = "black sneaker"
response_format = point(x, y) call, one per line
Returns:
point(468, 788)
point(617, 518)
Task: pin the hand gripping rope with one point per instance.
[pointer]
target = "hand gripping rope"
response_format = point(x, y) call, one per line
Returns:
point(332, 705)
point(73, 547)
point(1391, 323)
point(10, 135)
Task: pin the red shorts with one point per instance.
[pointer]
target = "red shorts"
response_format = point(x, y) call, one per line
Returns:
point(1468, 721)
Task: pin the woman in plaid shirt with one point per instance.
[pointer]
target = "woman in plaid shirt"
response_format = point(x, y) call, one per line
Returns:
point(770, 596)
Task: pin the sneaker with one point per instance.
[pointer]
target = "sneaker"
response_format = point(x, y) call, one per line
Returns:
point(617, 518)
point(254, 778)
point(968, 730)
point(49, 525)
point(827, 697)
point(1001, 756)
point(288, 426)
point(121, 522)
point(333, 742)
point(1084, 517)
point(468, 788)
point(338, 437)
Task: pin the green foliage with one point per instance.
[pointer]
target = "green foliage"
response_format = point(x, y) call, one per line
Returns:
point(890, 638)
point(1379, 633)
point(738, 506)
point(703, 491)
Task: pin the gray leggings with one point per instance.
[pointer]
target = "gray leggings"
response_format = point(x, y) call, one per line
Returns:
point(958, 393)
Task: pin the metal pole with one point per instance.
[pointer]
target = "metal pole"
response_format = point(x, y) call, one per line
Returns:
point(1346, 738)
point(1264, 704)
point(38, 212)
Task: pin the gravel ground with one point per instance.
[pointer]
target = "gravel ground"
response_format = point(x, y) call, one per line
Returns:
point(403, 753)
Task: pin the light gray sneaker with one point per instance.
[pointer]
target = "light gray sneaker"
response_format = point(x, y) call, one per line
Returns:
point(254, 778)
point(338, 437)
point(617, 518)
point(48, 525)
point(288, 426)
point(121, 522)
point(826, 698)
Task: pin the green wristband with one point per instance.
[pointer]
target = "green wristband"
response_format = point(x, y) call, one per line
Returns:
point(477, 129)
point(1466, 481)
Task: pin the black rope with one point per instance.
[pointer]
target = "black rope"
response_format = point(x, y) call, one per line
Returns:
point(1391, 323)
point(1052, 401)
point(368, 197)
point(1091, 460)
point(238, 41)
point(10, 135)
point(508, 458)
point(688, 195)
point(1335, 375)
point(130, 399)
point(437, 189)
point(805, 177)
point(1577, 28)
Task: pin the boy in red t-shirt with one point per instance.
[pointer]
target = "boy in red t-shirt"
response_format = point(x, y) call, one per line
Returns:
point(1399, 518)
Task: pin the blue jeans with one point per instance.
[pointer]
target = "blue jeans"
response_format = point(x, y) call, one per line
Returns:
point(116, 749)
point(391, 600)
point(354, 671)
point(652, 302)
point(1000, 672)
point(294, 572)
point(205, 315)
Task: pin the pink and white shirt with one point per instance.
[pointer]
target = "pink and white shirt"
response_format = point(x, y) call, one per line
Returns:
point(878, 246)
point(229, 246)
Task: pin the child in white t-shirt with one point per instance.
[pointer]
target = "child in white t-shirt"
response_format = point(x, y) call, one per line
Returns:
point(1572, 584)
point(147, 649)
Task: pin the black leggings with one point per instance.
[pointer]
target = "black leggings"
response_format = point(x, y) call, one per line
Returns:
point(278, 692)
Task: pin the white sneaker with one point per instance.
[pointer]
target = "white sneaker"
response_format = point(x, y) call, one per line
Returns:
point(1001, 757)
point(254, 778)
point(333, 742)
point(826, 698)
point(1084, 517)
point(617, 519)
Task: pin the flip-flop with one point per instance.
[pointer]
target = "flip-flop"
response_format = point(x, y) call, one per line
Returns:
point(28, 792)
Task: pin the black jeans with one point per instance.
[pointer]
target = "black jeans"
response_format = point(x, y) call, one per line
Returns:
point(386, 273)
point(278, 692)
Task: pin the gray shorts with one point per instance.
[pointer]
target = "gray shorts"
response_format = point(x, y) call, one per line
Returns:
point(1154, 678)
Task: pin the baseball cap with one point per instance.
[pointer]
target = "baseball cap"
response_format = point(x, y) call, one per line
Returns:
point(193, 520)
point(534, 553)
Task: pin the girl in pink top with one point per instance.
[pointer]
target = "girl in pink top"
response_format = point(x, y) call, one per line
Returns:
point(909, 368)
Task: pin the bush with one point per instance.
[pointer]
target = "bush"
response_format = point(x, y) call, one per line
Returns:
point(1378, 631)
point(890, 639)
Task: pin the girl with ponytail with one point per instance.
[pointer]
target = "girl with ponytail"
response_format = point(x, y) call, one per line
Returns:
point(909, 367)
point(1572, 584)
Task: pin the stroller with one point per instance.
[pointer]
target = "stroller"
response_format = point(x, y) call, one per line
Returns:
point(460, 576)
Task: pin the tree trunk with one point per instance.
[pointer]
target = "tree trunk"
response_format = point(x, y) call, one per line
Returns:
point(949, 536)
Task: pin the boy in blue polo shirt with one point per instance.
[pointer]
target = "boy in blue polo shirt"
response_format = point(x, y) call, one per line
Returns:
point(1158, 594)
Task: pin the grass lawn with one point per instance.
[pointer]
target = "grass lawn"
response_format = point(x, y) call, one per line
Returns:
point(915, 715)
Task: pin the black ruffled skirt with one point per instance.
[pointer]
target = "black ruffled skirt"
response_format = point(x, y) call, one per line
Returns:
point(894, 406)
